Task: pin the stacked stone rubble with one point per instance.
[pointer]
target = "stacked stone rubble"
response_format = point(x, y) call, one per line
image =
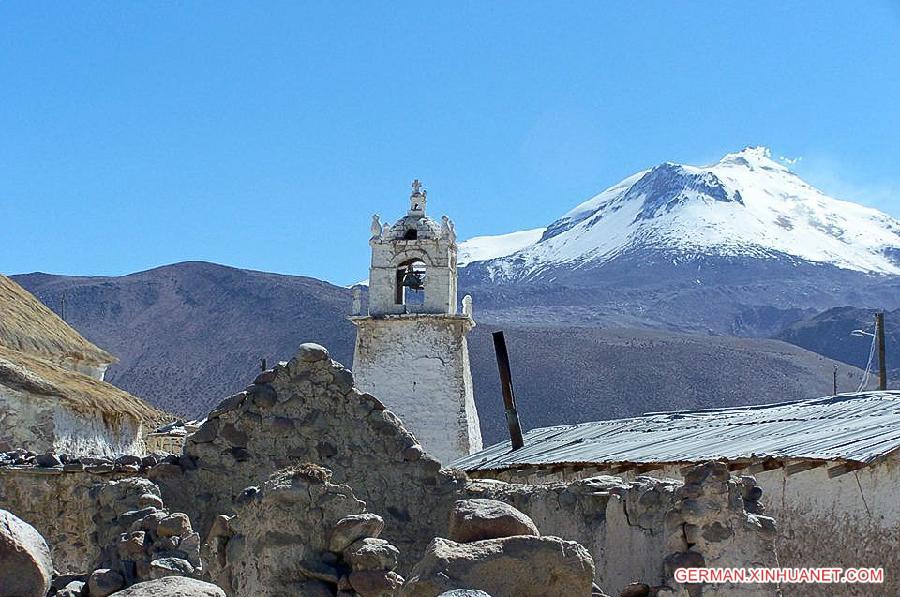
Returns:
point(717, 522)
point(640, 531)
point(52, 462)
point(143, 540)
point(621, 523)
point(300, 534)
point(307, 410)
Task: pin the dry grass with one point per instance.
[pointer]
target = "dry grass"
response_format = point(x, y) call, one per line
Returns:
point(309, 472)
point(83, 394)
point(26, 325)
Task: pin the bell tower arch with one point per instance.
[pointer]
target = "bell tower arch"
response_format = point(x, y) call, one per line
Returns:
point(415, 256)
point(411, 349)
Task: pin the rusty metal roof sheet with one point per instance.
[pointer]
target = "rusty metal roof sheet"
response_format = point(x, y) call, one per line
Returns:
point(855, 427)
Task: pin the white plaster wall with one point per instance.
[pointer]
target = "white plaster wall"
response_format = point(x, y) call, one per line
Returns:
point(43, 424)
point(623, 551)
point(852, 520)
point(418, 365)
point(77, 433)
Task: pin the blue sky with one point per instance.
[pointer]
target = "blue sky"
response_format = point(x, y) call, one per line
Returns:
point(265, 134)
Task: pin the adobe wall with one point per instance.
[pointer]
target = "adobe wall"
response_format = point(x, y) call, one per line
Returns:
point(852, 520)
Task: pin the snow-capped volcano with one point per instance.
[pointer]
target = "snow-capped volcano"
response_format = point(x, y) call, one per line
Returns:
point(483, 248)
point(747, 205)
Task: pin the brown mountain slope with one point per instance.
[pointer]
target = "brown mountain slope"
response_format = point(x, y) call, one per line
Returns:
point(191, 333)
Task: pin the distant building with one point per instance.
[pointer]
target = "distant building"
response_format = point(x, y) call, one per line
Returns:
point(411, 348)
point(52, 393)
point(829, 468)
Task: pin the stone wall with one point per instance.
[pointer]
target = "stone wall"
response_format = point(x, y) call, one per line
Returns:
point(307, 410)
point(637, 530)
point(851, 520)
point(300, 534)
point(73, 505)
point(303, 411)
point(621, 524)
point(419, 366)
point(43, 423)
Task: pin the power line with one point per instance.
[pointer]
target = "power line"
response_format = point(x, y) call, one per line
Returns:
point(865, 379)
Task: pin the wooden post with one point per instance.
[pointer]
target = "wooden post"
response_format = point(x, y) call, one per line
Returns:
point(262, 364)
point(834, 381)
point(509, 398)
point(879, 332)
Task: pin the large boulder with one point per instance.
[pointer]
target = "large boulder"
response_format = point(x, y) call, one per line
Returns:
point(479, 519)
point(25, 565)
point(103, 582)
point(354, 527)
point(525, 566)
point(172, 586)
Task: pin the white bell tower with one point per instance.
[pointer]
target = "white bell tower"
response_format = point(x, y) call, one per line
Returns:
point(411, 350)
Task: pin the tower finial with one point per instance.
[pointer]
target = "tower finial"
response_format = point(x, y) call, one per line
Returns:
point(418, 197)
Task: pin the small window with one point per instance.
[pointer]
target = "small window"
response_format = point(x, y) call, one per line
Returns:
point(411, 234)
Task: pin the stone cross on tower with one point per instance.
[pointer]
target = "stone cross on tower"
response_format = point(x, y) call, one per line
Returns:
point(411, 350)
point(417, 198)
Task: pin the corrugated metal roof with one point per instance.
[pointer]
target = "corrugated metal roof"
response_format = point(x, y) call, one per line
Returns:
point(858, 427)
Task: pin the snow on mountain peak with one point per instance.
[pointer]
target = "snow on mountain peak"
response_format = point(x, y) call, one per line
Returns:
point(757, 156)
point(483, 248)
point(744, 205)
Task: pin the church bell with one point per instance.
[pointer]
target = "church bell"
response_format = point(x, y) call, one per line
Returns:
point(414, 280)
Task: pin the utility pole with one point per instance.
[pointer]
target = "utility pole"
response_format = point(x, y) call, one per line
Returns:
point(262, 364)
point(834, 381)
point(879, 334)
point(509, 398)
point(63, 308)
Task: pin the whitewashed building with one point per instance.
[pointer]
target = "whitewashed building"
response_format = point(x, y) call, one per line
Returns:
point(411, 349)
point(52, 394)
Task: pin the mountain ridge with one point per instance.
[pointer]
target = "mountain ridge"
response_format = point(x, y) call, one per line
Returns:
point(746, 204)
point(189, 334)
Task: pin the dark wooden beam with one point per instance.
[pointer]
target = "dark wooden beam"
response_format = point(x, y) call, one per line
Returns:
point(844, 468)
point(509, 397)
point(769, 464)
point(802, 465)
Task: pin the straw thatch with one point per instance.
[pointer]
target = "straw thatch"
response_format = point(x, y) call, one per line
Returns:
point(26, 325)
point(82, 394)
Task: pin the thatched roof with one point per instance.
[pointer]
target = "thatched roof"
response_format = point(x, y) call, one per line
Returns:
point(83, 394)
point(26, 325)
